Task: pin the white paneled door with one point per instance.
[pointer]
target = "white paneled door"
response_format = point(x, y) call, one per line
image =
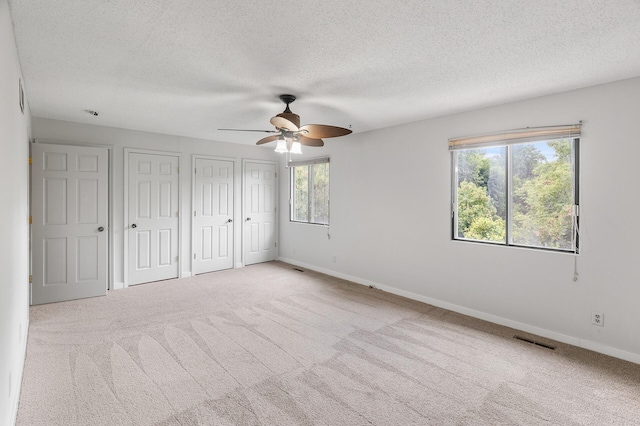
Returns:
point(152, 231)
point(212, 215)
point(70, 220)
point(259, 242)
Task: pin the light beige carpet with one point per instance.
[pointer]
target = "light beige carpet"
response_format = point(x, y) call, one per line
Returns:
point(269, 345)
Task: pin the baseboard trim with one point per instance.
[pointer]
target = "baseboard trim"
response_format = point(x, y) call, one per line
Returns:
point(18, 386)
point(608, 350)
point(239, 265)
point(118, 286)
point(574, 341)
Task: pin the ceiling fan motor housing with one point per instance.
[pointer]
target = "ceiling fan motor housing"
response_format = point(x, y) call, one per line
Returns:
point(287, 114)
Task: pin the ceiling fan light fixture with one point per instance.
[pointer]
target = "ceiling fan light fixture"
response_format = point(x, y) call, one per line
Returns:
point(282, 145)
point(296, 148)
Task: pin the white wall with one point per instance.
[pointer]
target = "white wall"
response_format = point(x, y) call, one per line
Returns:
point(391, 226)
point(14, 223)
point(119, 139)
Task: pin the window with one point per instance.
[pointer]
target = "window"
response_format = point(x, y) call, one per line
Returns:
point(517, 188)
point(310, 191)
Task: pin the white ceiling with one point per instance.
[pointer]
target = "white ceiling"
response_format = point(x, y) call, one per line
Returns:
point(189, 67)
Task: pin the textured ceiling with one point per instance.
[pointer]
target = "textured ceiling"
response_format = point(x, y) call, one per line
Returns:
point(189, 67)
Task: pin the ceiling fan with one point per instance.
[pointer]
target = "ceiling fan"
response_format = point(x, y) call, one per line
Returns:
point(290, 135)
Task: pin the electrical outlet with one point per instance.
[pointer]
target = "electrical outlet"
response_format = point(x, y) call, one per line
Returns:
point(597, 318)
point(334, 259)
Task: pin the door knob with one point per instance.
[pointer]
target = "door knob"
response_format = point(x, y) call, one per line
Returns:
point(230, 220)
point(101, 229)
point(248, 219)
point(133, 225)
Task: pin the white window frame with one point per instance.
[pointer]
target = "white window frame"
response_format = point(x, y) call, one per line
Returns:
point(511, 138)
point(307, 163)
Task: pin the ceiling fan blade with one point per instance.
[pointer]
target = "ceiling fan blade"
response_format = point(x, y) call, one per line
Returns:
point(283, 123)
point(318, 131)
point(309, 141)
point(268, 139)
point(245, 130)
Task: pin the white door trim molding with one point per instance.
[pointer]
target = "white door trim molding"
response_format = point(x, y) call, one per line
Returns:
point(125, 213)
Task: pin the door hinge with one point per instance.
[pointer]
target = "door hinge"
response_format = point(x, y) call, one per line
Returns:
point(194, 255)
point(178, 169)
point(194, 213)
point(195, 171)
point(30, 160)
point(30, 220)
point(276, 174)
point(30, 278)
point(276, 244)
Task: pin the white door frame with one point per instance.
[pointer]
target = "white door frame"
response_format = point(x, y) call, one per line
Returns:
point(233, 160)
point(125, 252)
point(110, 177)
point(275, 203)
